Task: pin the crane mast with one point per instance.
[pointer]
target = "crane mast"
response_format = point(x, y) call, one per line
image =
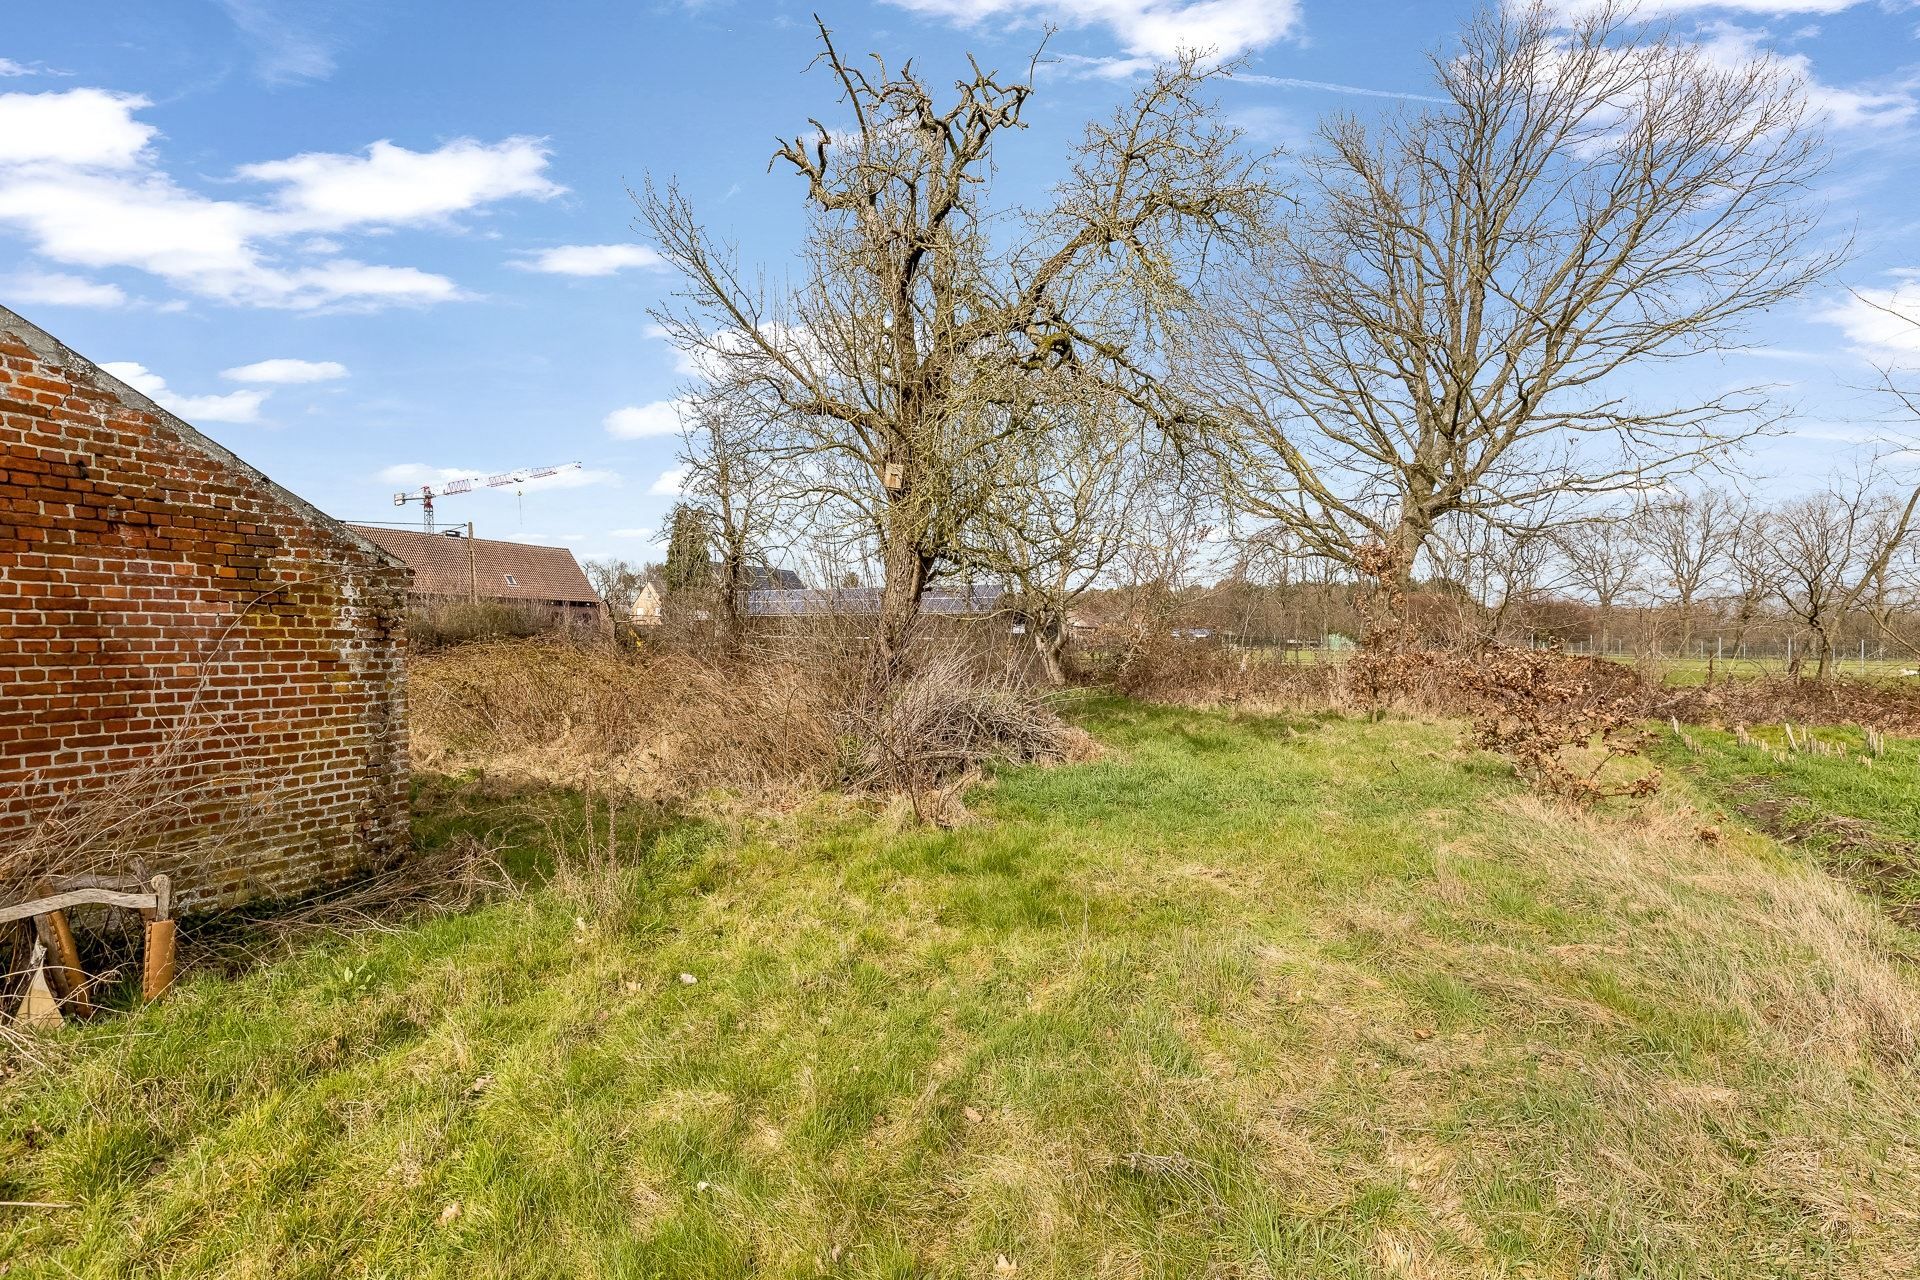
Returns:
point(427, 493)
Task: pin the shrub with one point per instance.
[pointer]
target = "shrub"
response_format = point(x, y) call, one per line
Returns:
point(1560, 720)
point(673, 724)
point(437, 624)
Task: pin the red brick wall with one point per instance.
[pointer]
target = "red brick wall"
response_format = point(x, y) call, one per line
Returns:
point(148, 579)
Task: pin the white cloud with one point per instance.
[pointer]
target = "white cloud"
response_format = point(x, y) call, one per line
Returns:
point(671, 484)
point(589, 259)
point(79, 128)
point(685, 363)
point(236, 406)
point(287, 371)
point(1328, 86)
point(392, 186)
point(1730, 45)
point(285, 52)
point(630, 533)
point(1882, 324)
point(642, 422)
point(79, 179)
point(1148, 29)
point(9, 68)
point(57, 289)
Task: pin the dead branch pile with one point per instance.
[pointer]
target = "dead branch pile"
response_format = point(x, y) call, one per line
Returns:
point(451, 877)
point(943, 721)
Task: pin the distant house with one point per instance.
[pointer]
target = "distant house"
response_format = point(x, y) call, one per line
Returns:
point(450, 567)
point(646, 606)
point(647, 603)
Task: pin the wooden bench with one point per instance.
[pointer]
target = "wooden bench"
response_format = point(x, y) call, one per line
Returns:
point(154, 901)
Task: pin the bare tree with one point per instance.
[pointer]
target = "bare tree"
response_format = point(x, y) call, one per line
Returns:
point(1685, 538)
point(618, 582)
point(1447, 324)
point(893, 373)
point(1601, 556)
point(1897, 578)
point(1749, 570)
point(1171, 550)
point(745, 495)
point(1497, 566)
point(1062, 511)
point(1901, 384)
point(1830, 550)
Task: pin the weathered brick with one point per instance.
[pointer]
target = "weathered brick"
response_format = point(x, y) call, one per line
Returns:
point(143, 576)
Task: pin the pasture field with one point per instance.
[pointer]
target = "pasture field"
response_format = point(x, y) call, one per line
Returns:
point(1243, 996)
point(1693, 671)
point(1856, 812)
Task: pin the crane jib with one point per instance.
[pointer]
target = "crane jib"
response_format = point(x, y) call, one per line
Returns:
point(427, 493)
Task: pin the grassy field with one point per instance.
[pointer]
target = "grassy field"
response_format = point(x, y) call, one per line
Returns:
point(1860, 820)
point(1693, 671)
point(1677, 671)
point(1245, 997)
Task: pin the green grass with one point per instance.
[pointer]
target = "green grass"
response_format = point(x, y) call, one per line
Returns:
point(1861, 820)
point(1693, 671)
point(1244, 997)
point(1677, 671)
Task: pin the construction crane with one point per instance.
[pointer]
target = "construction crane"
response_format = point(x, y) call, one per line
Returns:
point(428, 493)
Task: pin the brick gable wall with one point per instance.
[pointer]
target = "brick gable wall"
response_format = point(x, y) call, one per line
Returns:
point(147, 578)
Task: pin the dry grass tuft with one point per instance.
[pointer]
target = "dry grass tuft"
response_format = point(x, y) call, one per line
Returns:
point(671, 726)
point(1206, 674)
point(1793, 951)
point(454, 876)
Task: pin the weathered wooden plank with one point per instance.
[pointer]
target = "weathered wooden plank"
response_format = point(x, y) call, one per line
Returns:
point(79, 898)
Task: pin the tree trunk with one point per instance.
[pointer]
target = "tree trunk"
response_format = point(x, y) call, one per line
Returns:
point(1050, 642)
point(906, 569)
point(729, 603)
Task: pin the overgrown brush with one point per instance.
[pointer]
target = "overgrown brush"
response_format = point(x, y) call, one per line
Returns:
point(1838, 700)
point(1206, 673)
point(672, 725)
point(1564, 723)
point(438, 624)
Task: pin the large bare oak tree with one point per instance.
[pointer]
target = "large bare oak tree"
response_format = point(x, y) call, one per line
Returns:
point(1449, 323)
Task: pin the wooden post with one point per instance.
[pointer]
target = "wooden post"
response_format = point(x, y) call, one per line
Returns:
point(40, 1008)
point(156, 973)
point(69, 976)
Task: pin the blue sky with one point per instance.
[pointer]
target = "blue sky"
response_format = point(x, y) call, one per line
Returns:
point(368, 242)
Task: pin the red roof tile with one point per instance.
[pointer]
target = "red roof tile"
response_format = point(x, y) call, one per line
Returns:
point(499, 570)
